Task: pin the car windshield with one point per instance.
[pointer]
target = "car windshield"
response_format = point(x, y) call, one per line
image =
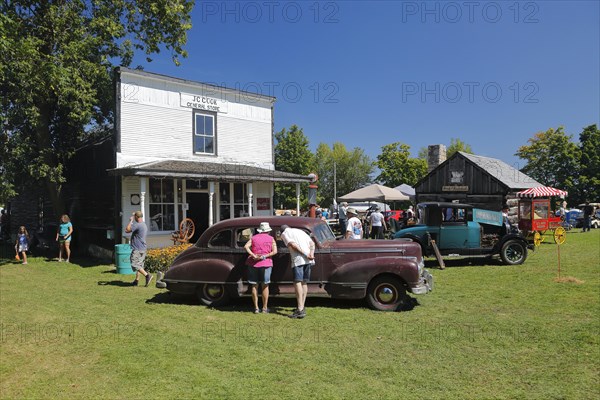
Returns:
point(322, 233)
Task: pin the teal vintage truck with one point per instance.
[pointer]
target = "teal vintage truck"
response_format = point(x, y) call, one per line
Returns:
point(462, 230)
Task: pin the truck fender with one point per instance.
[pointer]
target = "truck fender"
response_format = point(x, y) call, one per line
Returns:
point(424, 246)
point(506, 238)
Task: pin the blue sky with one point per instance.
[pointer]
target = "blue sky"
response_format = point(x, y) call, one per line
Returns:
point(366, 74)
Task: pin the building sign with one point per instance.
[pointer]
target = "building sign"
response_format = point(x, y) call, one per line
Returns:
point(487, 217)
point(263, 203)
point(204, 103)
point(456, 176)
point(455, 188)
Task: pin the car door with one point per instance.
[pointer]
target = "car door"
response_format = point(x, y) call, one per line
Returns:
point(454, 233)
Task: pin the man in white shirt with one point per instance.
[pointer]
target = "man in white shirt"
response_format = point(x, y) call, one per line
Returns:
point(354, 229)
point(302, 254)
point(377, 224)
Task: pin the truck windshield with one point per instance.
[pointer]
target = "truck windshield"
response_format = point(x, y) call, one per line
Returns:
point(422, 215)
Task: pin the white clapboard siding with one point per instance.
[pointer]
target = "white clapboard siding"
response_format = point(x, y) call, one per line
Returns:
point(154, 124)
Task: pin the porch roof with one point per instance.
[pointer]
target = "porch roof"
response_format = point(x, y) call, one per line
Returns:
point(211, 171)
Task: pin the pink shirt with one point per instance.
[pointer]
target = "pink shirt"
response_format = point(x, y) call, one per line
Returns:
point(262, 244)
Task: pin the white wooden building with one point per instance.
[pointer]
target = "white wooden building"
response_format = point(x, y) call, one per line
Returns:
point(189, 149)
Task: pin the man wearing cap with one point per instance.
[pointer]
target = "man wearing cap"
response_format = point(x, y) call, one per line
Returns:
point(302, 254)
point(138, 229)
point(342, 216)
point(260, 248)
point(354, 229)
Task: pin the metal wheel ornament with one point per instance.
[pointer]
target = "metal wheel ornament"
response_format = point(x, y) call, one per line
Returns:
point(537, 239)
point(187, 229)
point(560, 235)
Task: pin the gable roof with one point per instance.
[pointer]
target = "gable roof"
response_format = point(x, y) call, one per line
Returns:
point(205, 170)
point(507, 175)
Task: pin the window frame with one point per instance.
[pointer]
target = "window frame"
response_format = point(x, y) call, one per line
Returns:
point(162, 203)
point(204, 136)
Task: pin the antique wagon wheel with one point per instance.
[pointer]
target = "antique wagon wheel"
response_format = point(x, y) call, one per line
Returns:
point(560, 235)
point(186, 230)
point(537, 238)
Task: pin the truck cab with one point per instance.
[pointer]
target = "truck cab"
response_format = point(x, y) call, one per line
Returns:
point(456, 232)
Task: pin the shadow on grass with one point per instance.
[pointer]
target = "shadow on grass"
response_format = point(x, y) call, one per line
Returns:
point(114, 283)
point(283, 306)
point(463, 262)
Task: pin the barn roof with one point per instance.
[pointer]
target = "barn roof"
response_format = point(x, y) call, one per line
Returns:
point(507, 175)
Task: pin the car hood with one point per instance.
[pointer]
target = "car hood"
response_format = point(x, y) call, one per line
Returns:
point(405, 246)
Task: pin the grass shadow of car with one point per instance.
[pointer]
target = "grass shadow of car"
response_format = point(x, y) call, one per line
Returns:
point(463, 262)
point(277, 305)
point(115, 283)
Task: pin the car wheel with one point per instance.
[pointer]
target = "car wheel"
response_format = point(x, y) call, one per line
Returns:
point(513, 252)
point(212, 294)
point(386, 293)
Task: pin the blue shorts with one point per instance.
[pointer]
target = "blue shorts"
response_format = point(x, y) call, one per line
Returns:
point(259, 274)
point(302, 273)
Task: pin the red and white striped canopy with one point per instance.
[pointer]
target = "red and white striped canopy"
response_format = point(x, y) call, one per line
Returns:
point(542, 191)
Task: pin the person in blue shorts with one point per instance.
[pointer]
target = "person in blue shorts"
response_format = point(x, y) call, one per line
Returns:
point(63, 237)
point(302, 254)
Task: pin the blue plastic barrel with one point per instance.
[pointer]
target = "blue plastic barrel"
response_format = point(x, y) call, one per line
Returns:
point(123, 259)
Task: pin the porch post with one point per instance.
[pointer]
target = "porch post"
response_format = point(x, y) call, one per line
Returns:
point(211, 195)
point(143, 196)
point(250, 205)
point(297, 199)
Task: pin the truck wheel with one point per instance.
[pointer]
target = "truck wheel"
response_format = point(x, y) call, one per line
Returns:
point(386, 293)
point(212, 295)
point(513, 252)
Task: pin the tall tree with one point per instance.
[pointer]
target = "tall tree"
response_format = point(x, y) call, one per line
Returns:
point(458, 145)
point(352, 171)
point(56, 65)
point(291, 155)
point(589, 175)
point(397, 167)
point(552, 159)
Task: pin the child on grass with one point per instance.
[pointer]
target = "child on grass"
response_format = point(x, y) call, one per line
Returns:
point(22, 244)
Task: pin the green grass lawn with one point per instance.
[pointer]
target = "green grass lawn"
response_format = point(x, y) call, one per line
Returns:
point(486, 331)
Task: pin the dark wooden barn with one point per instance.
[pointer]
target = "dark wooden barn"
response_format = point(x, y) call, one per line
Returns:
point(89, 195)
point(481, 181)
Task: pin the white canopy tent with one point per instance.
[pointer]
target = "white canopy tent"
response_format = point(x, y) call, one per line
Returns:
point(375, 192)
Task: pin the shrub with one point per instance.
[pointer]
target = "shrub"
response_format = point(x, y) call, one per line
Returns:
point(161, 259)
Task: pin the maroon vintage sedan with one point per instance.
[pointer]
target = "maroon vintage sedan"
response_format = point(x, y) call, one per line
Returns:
point(382, 271)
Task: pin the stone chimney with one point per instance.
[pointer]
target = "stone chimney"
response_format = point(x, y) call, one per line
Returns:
point(436, 154)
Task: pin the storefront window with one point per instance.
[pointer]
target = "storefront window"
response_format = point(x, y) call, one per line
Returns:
point(162, 205)
point(225, 201)
point(196, 184)
point(204, 134)
point(240, 200)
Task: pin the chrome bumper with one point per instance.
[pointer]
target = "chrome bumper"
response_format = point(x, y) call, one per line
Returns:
point(425, 284)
